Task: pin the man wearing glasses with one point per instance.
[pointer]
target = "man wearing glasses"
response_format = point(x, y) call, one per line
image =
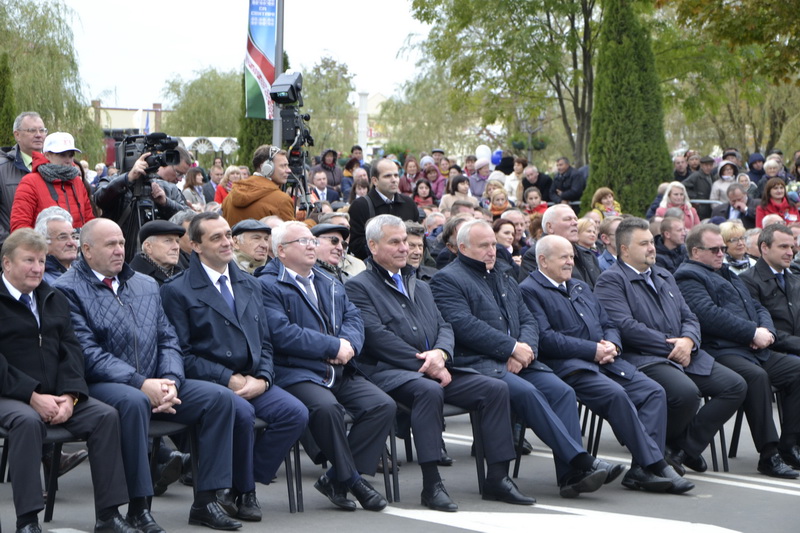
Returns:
point(29, 132)
point(316, 335)
point(738, 332)
point(55, 223)
point(332, 249)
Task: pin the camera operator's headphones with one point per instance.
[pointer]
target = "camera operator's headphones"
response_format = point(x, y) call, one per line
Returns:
point(268, 166)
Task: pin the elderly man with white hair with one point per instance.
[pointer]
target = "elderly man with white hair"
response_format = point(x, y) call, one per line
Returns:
point(55, 223)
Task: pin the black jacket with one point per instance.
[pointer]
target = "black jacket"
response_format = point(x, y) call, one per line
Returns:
point(586, 267)
point(571, 184)
point(748, 218)
point(727, 313)
point(46, 359)
point(669, 259)
point(402, 206)
point(781, 304)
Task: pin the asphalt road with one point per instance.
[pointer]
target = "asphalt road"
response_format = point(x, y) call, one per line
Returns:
point(740, 500)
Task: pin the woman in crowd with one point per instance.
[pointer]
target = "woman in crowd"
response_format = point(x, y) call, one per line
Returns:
point(737, 258)
point(444, 167)
point(360, 188)
point(55, 180)
point(491, 186)
point(774, 201)
point(457, 190)
point(587, 234)
point(675, 196)
point(604, 204)
point(533, 201)
point(719, 189)
point(193, 189)
point(507, 250)
point(749, 186)
point(231, 176)
point(348, 175)
point(499, 203)
point(410, 175)
point(423, 193)
point(514, 180)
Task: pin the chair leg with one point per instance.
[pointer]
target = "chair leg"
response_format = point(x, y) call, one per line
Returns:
point(480, 464)
point(393, 451)
point(52, 484)
point(737, 431)
point(287, 465)
point(714, 463)
point(298, 477)
point(408, 442)
point(585, 410)
point(723, 450)
point(597, 434)
point(195, 451)
point(519, 444)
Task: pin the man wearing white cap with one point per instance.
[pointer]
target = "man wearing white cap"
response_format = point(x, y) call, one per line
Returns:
point(55, 180)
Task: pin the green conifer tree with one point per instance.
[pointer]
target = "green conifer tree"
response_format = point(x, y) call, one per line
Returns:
point(628, 151)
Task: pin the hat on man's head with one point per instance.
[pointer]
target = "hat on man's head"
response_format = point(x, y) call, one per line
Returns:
point(59, 142)
point(322, 229)
point(160, 227)
point(707, 159)
point(249, 224)
point(437, 150)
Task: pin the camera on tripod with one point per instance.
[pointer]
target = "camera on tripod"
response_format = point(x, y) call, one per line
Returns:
point(287, 91)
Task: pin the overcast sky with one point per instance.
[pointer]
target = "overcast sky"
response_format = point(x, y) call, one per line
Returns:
point(127, 50)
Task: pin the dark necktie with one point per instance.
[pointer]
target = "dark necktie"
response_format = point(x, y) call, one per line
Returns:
point(226, 293)
point(563, 288)
point(780, 276)
point(306, 283)
point(398, 280)
point(24, 298)
point(649, 280)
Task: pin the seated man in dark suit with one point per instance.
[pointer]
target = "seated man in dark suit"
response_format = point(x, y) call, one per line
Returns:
point(661, 337)
point(408, 353)
point(738, 332)
point(497, 335)
point(41, 383)
point(316, 334)
point(225, 339)
point(134, 363)
point(739, 207)
point(772, 283)
point(578, 341)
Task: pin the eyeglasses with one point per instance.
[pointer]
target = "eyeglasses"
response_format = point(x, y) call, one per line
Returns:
point(64, 237)
point(34, 131)
point(335, 240)
point(178, 173)
point(304, 241)
point(714, 249)
point(736, 240)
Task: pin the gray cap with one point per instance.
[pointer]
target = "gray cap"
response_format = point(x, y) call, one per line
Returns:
point(160, 227)
point(250, 224)
point(321, 229)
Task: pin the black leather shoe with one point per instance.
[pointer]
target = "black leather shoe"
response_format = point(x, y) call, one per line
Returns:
point(249, 508)
point(444, 459)
point(639, 478)
point(774, 466)
point(168, 472)
point(582, 482)
point(227, 500)
point(526, 447)
point(506, 491)
point(211, 515)
point(186, 471)
point(675, 458)
point(369, 498)
point(791, 456)
point(115, 524)
point(30, 528)
point(698, 465)
point(335, 492)
point(389, 462)
point(144, 521)
point(67, 462)
point(438, 499)
point(679, 484)
point(613, 471)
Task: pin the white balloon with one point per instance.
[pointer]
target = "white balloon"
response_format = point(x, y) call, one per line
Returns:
point(483, 152)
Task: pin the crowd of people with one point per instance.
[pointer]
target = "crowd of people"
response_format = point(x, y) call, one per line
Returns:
point(403, 287)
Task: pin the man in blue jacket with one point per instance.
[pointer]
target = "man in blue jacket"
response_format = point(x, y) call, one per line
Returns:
point(737, 332)
point(578, 341)
point(408, 353)
point(218, 314)
point(317, 333)
point(134, 363)
point(497, 335)
point(661, 337)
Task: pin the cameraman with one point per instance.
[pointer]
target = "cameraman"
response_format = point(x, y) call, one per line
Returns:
point(115, 196)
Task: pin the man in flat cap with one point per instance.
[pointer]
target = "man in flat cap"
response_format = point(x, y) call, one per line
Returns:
point(251, 240)
point(332, 248)
point(161, 250)
point(698, 185)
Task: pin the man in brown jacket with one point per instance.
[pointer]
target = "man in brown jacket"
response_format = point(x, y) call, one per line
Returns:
point(260, 195)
